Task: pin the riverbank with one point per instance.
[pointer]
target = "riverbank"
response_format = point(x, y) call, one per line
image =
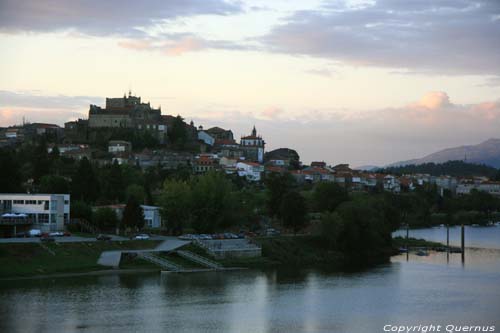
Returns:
point(307, 252)
point(38, 259)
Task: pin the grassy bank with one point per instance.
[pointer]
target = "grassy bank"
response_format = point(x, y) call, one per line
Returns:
point(306, 252)
point(30, 259)
point(399, 241)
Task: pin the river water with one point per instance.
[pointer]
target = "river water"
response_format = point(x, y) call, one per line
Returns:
point(420, 291)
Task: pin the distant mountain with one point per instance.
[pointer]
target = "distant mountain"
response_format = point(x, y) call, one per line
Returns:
point(487, 152)
point(367, 168)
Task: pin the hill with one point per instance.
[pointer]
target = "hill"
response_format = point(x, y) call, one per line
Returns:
point(451, 168)
point(487, 152)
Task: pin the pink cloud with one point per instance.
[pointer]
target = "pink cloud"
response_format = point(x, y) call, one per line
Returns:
point(271, 113)
point(170, 47)
point(434, 100)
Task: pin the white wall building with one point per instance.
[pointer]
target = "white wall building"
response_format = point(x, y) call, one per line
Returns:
point(47, 212)
point(250, 170)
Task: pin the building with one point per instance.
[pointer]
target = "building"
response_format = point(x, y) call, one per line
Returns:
point(206, 138)
point(128, 112)
point(47, 212)
point(152, 216)
point(250, 170)
point(119, 146)
point(219, 134)
point(205, 162)
point(253, 147)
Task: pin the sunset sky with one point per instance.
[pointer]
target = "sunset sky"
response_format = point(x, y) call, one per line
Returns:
point(361, 82)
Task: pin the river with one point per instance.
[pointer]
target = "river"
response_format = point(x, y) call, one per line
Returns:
point(422, 290)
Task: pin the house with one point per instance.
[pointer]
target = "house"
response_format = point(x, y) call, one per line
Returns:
point(47, 212)
point(252, 171)
point(119, 146)
point(64, 148)
point(391, 184)
point(204, 163)
point(228, 165)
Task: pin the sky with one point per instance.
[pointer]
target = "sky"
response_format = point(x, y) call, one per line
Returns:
point(359, 82)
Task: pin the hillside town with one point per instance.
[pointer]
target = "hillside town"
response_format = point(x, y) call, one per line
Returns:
point(206, 149)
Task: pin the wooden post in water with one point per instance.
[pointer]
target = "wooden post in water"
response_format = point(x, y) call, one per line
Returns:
point(463, 244)
point(448, 242)
point(407, 241)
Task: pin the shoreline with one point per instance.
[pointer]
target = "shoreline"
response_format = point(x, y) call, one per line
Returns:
point(90, 273)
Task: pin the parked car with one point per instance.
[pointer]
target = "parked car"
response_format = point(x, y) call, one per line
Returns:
point(103, 237)
point(141, 237)
point(56, 234)
point(272, 232)
point(186, 237)
point(34, 233)
point(47, 239)
point(67, 234)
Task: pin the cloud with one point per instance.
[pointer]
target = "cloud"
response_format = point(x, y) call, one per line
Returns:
point(176, 44)
point(377, 136)
point(325, 72)
point(271, 113)
point(100, 18)
point(35, 107)
point(442, 36)
point(434, 100)
point(33, 99)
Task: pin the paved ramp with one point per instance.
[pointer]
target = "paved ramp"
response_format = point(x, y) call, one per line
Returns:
point(112, 258)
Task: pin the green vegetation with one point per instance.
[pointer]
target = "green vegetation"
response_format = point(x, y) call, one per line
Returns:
point(29, 259)
point(451, 168)
point(399, 242)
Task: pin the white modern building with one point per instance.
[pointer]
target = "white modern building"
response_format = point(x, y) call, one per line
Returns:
point(47, 212)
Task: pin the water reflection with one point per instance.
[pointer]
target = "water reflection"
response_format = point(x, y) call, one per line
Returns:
point(426, 289)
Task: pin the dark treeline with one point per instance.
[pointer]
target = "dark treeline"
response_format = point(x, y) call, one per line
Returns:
point(358, 225)
point(450, 168)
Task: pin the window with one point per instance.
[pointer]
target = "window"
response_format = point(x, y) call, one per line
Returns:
point(30, 202)
point(40, 202)
point(66, 202)
point(43, 218)
point(46, 205)
point(18, 202)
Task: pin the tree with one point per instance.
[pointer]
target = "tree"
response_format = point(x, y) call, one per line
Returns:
point(80, 210)
point(178, 133)
point(133, 215)
point(41, 161)
point(293, 210)
point(332, 227)
point(53, 184)
point(175, 202)
point(327, 196)
point(212, 202)
point(105, 218)
point(10, 177)
point(113, 183)
point(136, 191)
point(85, 185)
point(277, 185)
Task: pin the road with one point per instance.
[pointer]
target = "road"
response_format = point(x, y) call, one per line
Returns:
point(72, 239)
